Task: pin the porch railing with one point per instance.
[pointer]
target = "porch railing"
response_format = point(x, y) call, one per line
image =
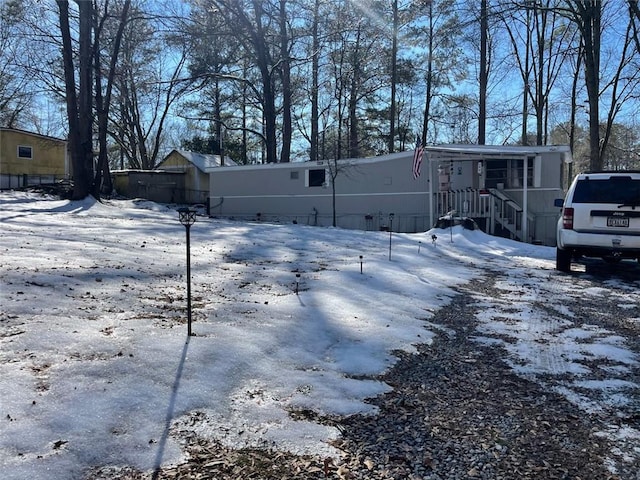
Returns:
point(503, 215)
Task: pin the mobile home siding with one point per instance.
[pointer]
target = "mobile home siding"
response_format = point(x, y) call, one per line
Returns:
point(366, 193)
point(477, 181)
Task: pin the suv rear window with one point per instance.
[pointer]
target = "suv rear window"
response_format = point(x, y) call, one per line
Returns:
point(617, 190)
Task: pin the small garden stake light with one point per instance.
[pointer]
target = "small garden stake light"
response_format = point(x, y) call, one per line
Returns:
point(360, 264)
point(390, 232)
point(187, 218)
point(451, 214)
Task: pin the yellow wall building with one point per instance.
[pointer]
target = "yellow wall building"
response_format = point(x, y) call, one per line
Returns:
point(29, 158)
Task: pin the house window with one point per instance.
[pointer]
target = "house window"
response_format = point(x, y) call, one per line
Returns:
point(293, 175)
point(317, 177)
point(517, 173)
point(25, 151)
point(495, 173)
point(508, 173)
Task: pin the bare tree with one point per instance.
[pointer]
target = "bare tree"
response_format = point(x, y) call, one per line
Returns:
point(102, 181)
point(146, 86)
point(622, 86)
point(541, 43)
point(357, 55)
point(315, 113)
point(337, 168)
point(484, 72)
point(634, 13)
point(285, 77)
point(436, 42)
point(315, 67)
point(79, 103)
point(252, 23)
point(16, 85)
point(587, 16)
point(222, 80)
point(621, 82)
point(394, 74)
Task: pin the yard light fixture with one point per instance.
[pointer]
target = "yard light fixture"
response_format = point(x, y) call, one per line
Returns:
point(450, 215)
point(187, 218)
point(391, 215)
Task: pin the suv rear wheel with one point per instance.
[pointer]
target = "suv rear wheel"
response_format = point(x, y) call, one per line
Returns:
point(563, 260)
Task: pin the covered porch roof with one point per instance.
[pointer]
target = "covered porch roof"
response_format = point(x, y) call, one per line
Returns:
point(480, 152)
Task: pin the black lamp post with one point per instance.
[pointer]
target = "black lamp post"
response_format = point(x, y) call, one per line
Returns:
point(390, 232)
point(187, 218)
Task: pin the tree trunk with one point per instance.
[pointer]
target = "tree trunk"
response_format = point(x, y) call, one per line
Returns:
point(354, 150)
point(102, 181)
point(634, 12)
point(71, 98)
point(85, 101)
point(245, 159)
point(574, 109)
point(315, 68)
point(285, 69)
point(591, 37)
point(269, 115)
point(217, 115)
point(587, 16)
point(429, 79)
point(540, 92)
point(263, 60)
point(394, 78)
point(79, 105)
point(484, 74)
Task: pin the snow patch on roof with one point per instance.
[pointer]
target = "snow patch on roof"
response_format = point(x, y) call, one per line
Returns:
point(203, 161)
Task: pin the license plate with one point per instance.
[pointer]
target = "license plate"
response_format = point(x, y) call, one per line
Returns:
point(617, 221)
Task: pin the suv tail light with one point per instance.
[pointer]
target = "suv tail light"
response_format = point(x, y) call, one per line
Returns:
point(567, 218)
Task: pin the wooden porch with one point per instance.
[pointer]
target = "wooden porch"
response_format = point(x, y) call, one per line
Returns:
point(494, 211)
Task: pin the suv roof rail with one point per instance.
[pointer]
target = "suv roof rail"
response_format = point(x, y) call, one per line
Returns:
point(610, 171)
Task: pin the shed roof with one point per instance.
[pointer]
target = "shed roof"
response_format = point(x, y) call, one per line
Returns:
point(203, 162)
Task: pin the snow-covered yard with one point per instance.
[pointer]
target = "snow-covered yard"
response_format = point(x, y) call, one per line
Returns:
point(96, 366)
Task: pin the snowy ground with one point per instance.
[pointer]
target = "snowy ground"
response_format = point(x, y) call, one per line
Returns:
point(96, 367)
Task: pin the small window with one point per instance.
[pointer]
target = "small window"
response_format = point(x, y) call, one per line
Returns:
point(509, 173)
point(496, 173)
point(293, 175)
point(317, 178)
point(25, 151)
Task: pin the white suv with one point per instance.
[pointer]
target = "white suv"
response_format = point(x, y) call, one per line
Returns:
point(600, 218)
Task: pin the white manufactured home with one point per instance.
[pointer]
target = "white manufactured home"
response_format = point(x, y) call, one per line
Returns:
point(486, 183)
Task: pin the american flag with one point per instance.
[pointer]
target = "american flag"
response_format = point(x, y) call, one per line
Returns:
point(417, 157)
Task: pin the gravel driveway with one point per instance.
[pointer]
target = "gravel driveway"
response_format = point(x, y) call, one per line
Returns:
point(506, 402)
